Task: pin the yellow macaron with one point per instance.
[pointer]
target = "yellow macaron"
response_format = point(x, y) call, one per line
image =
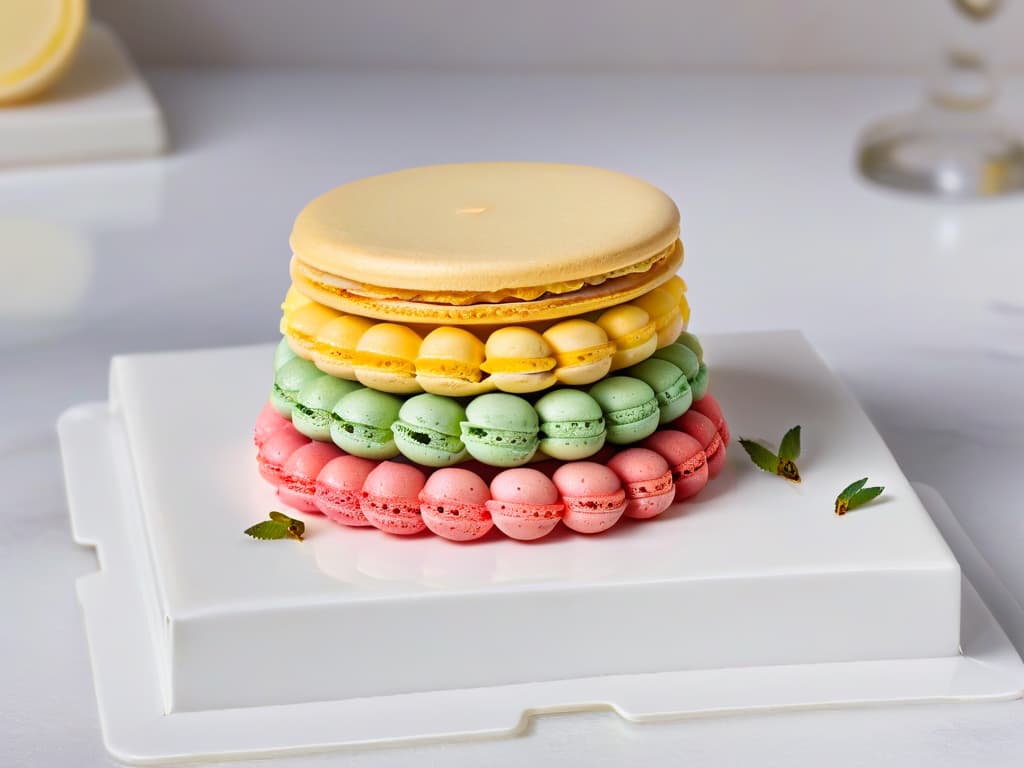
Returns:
point(302, 326)
point(582, 351)
point(334, 349)
point(632, 330)
point(449, 363)
point(663, 309)
point(519, 360)
point(385, 358)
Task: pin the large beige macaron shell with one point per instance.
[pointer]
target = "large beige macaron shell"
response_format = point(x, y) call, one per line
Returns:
point(38, 40)
point(485, 226)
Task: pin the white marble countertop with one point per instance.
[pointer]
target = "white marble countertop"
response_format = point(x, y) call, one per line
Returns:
point(918, 305)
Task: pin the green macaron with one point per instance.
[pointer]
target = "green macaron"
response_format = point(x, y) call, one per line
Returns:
point(283, 353)
point(311, 413)
point(500, 430)
point(288, 380)
point(699, 385)
point(669, 384)
point(690, 341)
point(682, 357)
point(361, 423)
point(630, 408)
point(428, 428)
point(571, 424)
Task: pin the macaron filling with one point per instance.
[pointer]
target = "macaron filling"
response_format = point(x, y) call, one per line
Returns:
point(363, 433)
point(642, 489)
point(635, 338)
point(585, 356)
point(316, 418)
point(572, 430)
point(689, 467)
point(524, 509)
point(518, 445)
point(450, 446)
point(375, 361)
point(613, 502)
point(679, 388)
point(454, 369)
point(518, 364)
point(633, 414)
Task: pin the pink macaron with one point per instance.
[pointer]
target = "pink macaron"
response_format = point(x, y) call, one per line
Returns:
point(685, 457)
point(267, 423)
point(709, 406)
point(298, 478)
point(700, 427)
point(453, 504)
point(524, 504)
point(593, 496)
point(647, 479)
point(276, 450)
point(391, 498)
point(339, 489)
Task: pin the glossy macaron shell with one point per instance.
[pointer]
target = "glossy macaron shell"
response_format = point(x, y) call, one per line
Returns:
point(339, 489)
point(267, 423)
point(647, 479)
point(311, 411)
point(682, 357)
point(630, 408)
point(289, 379)
point(362, 423)
point(298, 477)
point(685, 457)
point(275, 452)
point(669, 384)
point(390, 498)
point(710, 407)
point(571, 424)
point(593, 496)
point(524, 503)
point(428, 430)
point(703, 430)
point(453, 504)
point(500, 430)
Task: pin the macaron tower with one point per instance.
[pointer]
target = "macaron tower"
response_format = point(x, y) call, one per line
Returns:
point(489, 347)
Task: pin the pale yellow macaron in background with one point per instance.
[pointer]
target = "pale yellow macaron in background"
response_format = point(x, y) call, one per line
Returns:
point(38, 41)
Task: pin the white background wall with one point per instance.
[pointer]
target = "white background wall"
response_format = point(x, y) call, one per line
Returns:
point(559, 35)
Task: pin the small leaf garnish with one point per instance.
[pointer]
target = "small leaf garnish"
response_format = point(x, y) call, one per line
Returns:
point(760, 455)
point(789, 448)
point(783, 464)
point(856, 495)
point(279, 526)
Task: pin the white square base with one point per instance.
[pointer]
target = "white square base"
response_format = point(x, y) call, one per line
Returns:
point(731, 574)
point(101, 110)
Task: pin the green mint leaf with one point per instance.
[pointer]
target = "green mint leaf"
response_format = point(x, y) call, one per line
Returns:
point(295, 527)
point(279, 526)
point(789, 448)
point(268, 529)
point(847, 493)
point(855, 495)
point(761, 456)
point(865, 495)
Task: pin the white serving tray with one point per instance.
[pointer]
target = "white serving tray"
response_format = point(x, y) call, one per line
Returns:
point(131, 676)
point(101, 110)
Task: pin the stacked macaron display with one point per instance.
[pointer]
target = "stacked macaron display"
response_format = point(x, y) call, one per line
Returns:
point(489, 345)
